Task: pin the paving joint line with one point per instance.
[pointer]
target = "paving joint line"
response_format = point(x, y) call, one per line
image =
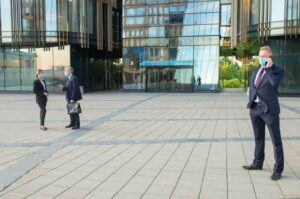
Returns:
point(244, 153)
point(15, 172)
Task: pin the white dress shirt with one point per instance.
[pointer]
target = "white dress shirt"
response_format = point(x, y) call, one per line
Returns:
point(69, 78)
point(43, 83)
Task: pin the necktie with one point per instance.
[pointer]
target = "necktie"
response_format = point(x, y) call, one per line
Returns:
point(259, 78)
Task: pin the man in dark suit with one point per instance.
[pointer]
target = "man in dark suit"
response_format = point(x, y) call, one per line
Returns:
point(73, 94)
point(264, 110)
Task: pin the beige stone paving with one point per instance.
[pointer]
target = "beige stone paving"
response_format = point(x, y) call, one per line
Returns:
point(144, 145)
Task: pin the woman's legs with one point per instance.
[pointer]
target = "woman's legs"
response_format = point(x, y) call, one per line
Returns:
point(43, 112)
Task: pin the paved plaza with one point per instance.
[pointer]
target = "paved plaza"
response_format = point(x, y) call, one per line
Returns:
point(143, 145)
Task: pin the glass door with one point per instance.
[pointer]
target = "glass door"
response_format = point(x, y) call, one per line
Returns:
point(169, 79)
point(153, 79)
point(181, 79)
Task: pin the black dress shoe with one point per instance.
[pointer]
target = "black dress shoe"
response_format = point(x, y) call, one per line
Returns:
point(69, 126)
point(276, 176)
point(252, 167)
point(43, 128)
point(75, 127)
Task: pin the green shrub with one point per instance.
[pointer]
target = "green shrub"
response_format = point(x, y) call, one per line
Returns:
point(232, 83)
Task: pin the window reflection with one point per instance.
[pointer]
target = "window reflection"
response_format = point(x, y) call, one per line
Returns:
point(226, 14)
point(293, 9)
point(62, 15)
point(254, 16)
point(51, 22)
point(27, 18)
point(169, 46)
point(12, 69)
point(53, 62)
point(277, 11)
point(92, 16)
point(27, 64)
point(62, 60)
point(2, 70)
point(6, 21)
point(34, 34)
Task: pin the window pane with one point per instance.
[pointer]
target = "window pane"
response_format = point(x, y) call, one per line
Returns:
point(62, 59)
point(44, 61)
point(254, 15)
point(62, 15)
point(27, 61)
point(6, 21)
point(92, 17)
point(277, 10)
point(2, 69)
point(225, 14)
point(27, 19)
point(225, 31)
point(51, 22)
point(12, 69)
point(163, 43)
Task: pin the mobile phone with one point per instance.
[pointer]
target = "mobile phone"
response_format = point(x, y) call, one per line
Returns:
point(267, 61)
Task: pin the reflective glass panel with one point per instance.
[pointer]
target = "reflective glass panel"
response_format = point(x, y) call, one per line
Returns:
point(12, 69)
point(170, 45)
point(6, 21)
point(51, 20)
point(2, 70)
point(254, 15)
point(225, 14)
point(27, 64)
point(277, 10)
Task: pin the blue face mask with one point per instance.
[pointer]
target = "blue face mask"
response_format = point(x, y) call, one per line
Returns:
point(66, 74)
point(262, 61)
point(42, 76)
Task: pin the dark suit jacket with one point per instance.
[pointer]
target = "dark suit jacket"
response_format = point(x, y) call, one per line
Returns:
point(39, 91)
point(72, 89)
point(267, 91)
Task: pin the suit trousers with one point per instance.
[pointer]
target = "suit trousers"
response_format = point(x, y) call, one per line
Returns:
point(259, 120)
point(75, 120)
point(43, 112)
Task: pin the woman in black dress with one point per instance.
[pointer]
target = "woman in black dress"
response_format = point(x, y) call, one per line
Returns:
point(41, 93)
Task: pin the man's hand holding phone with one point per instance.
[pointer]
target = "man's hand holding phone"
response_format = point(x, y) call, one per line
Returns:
point(269, 62)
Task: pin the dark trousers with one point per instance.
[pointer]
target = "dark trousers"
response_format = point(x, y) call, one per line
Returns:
point(43, 112)
point(259, 120)
point(75, 120)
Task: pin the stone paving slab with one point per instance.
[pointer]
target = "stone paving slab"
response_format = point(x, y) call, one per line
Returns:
point(142, 145)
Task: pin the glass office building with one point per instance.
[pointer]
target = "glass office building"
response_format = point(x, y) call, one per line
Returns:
point(275, 23)
point(54, 34)
point(171, 46)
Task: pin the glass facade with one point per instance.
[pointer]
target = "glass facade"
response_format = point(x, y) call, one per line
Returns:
point(171, 45)
point(225, 26)
point(54, 34)
point(16, 69)
point(254, 15)
point(277, 23)
point(6, 25)
point(274, 17)
point(18, 66)
point(286, 54)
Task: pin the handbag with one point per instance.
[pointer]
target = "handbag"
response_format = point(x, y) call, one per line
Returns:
point(74, 108)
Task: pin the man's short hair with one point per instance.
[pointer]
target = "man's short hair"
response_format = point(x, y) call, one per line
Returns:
point(266, 48)
point(70, 69)
point(38, 72)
